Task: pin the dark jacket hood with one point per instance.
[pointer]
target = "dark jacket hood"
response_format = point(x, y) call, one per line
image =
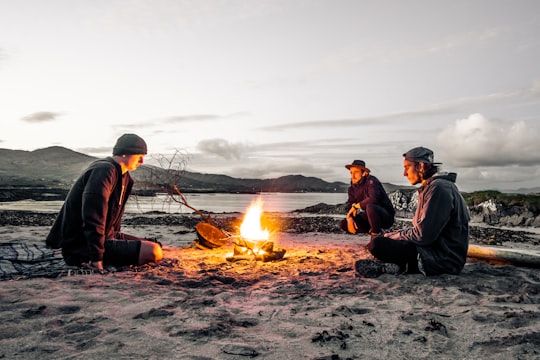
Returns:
point(450, 176)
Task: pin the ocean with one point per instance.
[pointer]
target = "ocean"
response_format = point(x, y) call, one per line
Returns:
point(216, 203)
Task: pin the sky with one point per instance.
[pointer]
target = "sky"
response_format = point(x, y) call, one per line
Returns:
point(266, 88)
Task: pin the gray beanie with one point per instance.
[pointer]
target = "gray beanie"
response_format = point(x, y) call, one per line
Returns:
point(130, 144)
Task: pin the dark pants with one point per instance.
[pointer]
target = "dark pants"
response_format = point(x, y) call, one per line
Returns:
point(118, 252)
point(122, 252)
point(372, 220)
point(401, 252)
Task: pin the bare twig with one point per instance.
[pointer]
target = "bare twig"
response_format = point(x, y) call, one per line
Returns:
point(184, 202)
point(167, 176)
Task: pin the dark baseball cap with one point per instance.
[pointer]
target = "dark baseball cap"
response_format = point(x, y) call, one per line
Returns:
point(420, 154)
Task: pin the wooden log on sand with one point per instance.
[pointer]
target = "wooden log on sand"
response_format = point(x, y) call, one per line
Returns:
point(500, 255)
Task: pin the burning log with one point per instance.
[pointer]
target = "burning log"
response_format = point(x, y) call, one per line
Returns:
point(253, 242)
point(249, 250)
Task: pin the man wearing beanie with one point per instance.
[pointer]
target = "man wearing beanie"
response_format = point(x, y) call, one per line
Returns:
point(87, 229)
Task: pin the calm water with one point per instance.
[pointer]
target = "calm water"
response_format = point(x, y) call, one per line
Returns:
point(272, 202)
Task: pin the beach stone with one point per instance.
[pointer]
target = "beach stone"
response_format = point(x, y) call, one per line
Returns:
point(152, 313)
point(242, 350)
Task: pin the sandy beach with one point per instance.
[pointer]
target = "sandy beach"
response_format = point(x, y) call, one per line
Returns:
point(309, 305)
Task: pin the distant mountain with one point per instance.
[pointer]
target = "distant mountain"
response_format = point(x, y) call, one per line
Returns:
point(290, 183)
point(535, 190)
point(53, 166)
point(57, 168)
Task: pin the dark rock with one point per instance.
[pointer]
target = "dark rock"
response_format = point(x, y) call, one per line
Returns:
point(284, 222)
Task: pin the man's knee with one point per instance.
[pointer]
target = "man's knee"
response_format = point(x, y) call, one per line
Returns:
point(375, 245)
point(157, 252)
point(150, 252)
point(371, 208)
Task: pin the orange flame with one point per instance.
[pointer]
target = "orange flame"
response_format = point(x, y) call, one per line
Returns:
point(251, 228)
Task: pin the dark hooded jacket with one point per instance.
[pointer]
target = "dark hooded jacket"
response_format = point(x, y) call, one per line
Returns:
point(369, 190)
point(440, 226)
point(92, 212)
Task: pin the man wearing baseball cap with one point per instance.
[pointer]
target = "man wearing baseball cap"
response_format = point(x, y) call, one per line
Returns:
point(87, 229)
point(438, 241)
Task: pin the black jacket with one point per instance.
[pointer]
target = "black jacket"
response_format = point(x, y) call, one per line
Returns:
point(369, 190)
point(92, 211)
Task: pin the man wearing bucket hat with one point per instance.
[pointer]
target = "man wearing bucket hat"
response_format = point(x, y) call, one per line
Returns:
point(87, 229)
point(369, 208)
point(438, 241)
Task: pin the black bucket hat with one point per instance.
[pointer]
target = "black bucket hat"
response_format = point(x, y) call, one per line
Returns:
point(357, 163)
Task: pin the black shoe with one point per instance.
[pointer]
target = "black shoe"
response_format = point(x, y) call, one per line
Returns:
point(373, 268)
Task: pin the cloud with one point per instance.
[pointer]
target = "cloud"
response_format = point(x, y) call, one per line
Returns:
point(274, 169)
point(361, 121)
point(190, 118)
point(468, 39)
point(179, 119)
point(201, 117)
point(535, 89)
point(497, 178)
point(222, 148)
point(453, 106)
point(41, 116)
point(479, 141)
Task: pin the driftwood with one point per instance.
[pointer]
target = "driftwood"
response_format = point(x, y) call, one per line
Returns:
point(502, 255)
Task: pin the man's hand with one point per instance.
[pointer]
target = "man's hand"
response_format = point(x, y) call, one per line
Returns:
point(353, 209)
point(351, 225)
point(394, 235)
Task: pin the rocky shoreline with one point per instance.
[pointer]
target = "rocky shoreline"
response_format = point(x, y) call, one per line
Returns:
point(295, 222)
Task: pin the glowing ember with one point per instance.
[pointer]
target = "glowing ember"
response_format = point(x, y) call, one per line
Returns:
point(251, 228)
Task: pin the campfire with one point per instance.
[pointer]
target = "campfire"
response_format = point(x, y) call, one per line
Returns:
point(253, 242)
